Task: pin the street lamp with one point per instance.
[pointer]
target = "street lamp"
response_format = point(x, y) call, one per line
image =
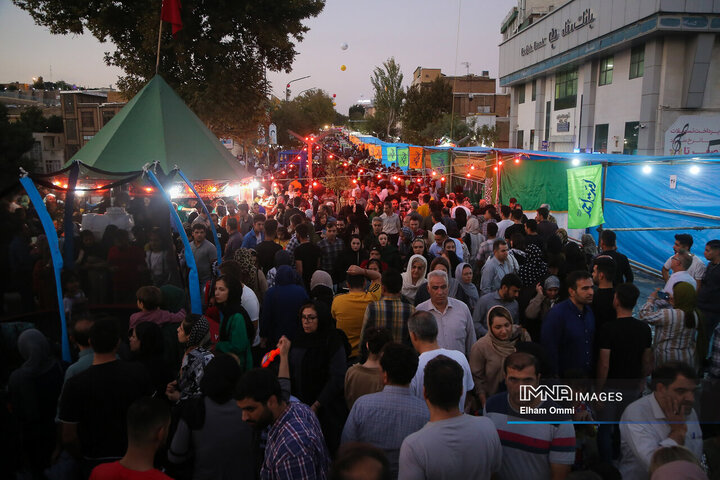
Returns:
point(287, 87)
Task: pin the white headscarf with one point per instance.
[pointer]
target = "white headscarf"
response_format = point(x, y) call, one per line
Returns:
point(409, 289)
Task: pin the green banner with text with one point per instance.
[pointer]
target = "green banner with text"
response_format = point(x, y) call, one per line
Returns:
point(585, 196)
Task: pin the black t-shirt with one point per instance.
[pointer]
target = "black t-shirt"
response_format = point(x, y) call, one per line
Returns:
point(514, 228)
point(266, 254)
point(602, 307)
point(98, 399)
point(624, 272)
point(626, 338)
point(309, 254)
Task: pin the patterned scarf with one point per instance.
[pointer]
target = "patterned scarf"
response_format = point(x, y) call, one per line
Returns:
point(199, 333)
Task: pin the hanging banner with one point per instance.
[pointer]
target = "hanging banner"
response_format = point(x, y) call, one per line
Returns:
point(584, 196)
point(416, 157)
point(392, 154)
point(439, 161)
point(403, 155)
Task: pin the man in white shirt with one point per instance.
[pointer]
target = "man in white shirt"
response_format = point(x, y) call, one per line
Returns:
point(684, 241)
point(506, 221)
point(665, 418)
point(680, 262)
point(454, 321)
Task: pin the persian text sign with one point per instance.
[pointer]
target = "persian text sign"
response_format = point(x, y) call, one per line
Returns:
point(584, 196)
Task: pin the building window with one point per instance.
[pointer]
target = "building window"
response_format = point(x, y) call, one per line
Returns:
point(48, 143)
point(87, 120)
point(520, 138)
point(107, 115)
point(71, 129)
point(69, 103)
point(534, 90)
point(36, 151)
point(532, 140)
point(631, 138)
point(601, 137)
point(637, 62)
point(566, 89)
point(606, 71)
point(521, 93)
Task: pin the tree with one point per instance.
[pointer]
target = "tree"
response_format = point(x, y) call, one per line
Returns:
point(356, 112)
point(442, 126)
point(387, 82)
point(424, 104)
point(307, 113)
point(34, 120)
point(487, 135)
point(15, 141)
point(216, 63)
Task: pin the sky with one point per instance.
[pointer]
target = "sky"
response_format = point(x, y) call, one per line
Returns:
point(414, 32)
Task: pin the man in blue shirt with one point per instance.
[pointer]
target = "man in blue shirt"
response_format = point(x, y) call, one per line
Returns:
point(385, 418)
point(257, 234)
point(569, 327)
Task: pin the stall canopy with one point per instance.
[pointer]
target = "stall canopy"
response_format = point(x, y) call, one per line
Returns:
point(157, 126)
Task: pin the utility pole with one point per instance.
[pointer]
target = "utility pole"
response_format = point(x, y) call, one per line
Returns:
point(287, 87)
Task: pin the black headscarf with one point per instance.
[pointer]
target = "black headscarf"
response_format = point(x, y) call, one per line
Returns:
point(320, 346)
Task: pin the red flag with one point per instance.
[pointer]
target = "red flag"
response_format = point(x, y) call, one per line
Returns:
point(171, 13)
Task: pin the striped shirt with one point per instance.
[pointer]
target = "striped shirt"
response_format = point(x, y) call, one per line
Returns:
point(529, 449)
point(672, 341)
point(295, 447)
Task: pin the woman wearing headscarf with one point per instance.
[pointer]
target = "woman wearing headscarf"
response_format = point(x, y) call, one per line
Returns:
point(464, 275)
point(211, 430)
point(147, 347)
point(489, 352)
point(236, 329)
point(472, 237)
point(194, 333)
point(354, 254)
point(414, 277)
point(279, 313)
point(252, 276)
point(589, 248)
point(676, 325)
point(317, 371)
point(405, 244)
point(33, 391)
point(562, 233)
point(450, 254)
point(534, 270)
point(281, 258)
point(389, 252)
point(321, 288)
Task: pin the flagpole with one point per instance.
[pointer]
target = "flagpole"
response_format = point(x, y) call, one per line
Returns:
point(157, 60)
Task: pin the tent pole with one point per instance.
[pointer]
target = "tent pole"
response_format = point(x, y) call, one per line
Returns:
point(69, 244)
point(193, 279)
point(57, 258)
point(157, 58)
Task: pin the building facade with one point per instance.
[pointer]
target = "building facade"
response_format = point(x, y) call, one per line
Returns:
point(616, 76)
point(48, 151)
point(475, 100)
point(84, 113)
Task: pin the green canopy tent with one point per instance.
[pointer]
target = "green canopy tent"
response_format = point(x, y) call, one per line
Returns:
point(157, 126)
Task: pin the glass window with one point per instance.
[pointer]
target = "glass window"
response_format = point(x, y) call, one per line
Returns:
point(71, 129)
point(534, 90)
point(521, 93)
point(601, 137)
point(520, 138)
point(606, 71)
point(107, 115)
point(631, 138)
point(637, 61)
point(87, 120)
point(566, 89)
point(531, 146)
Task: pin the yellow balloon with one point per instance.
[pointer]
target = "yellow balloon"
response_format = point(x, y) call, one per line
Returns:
point(334, 104)
point(343, 68)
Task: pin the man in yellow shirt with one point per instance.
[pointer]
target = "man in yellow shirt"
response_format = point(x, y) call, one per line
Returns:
point(348, 309)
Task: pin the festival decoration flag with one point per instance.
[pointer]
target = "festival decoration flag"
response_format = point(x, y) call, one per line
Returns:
point(585, 196)
point(171, 13)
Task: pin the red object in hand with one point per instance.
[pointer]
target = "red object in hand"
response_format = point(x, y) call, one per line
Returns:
point(269, 357)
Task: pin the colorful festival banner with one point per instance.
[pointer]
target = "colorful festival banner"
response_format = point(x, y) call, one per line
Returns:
point(403, 155)
point(585, 197)
point(392, 154)
point(439, 161)
point(416, 156)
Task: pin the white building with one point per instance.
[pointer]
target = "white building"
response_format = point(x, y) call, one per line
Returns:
point(616, 76)
point(48, 151)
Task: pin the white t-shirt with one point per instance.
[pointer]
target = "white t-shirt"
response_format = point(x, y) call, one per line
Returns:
point(416, 385)
point(696, 270)
point(251, 304)
point(678, 277)
point(502, 225)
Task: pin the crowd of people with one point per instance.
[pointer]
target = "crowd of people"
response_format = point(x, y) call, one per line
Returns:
point(390, 330)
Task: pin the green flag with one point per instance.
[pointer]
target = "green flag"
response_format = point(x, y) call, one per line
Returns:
point(403, 155)
point(392, 154)
point(585, 196)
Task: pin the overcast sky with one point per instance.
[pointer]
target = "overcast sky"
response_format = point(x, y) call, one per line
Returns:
point(415, 32)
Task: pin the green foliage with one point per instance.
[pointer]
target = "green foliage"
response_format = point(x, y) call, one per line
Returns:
point(304, 114)
point(442, 126)
point(487, 135)
point(389, 94)
point(356, 112)
point(424, 105)
point(15, 140)
point(216, 63)
point(335, 178)
point(32, 118)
